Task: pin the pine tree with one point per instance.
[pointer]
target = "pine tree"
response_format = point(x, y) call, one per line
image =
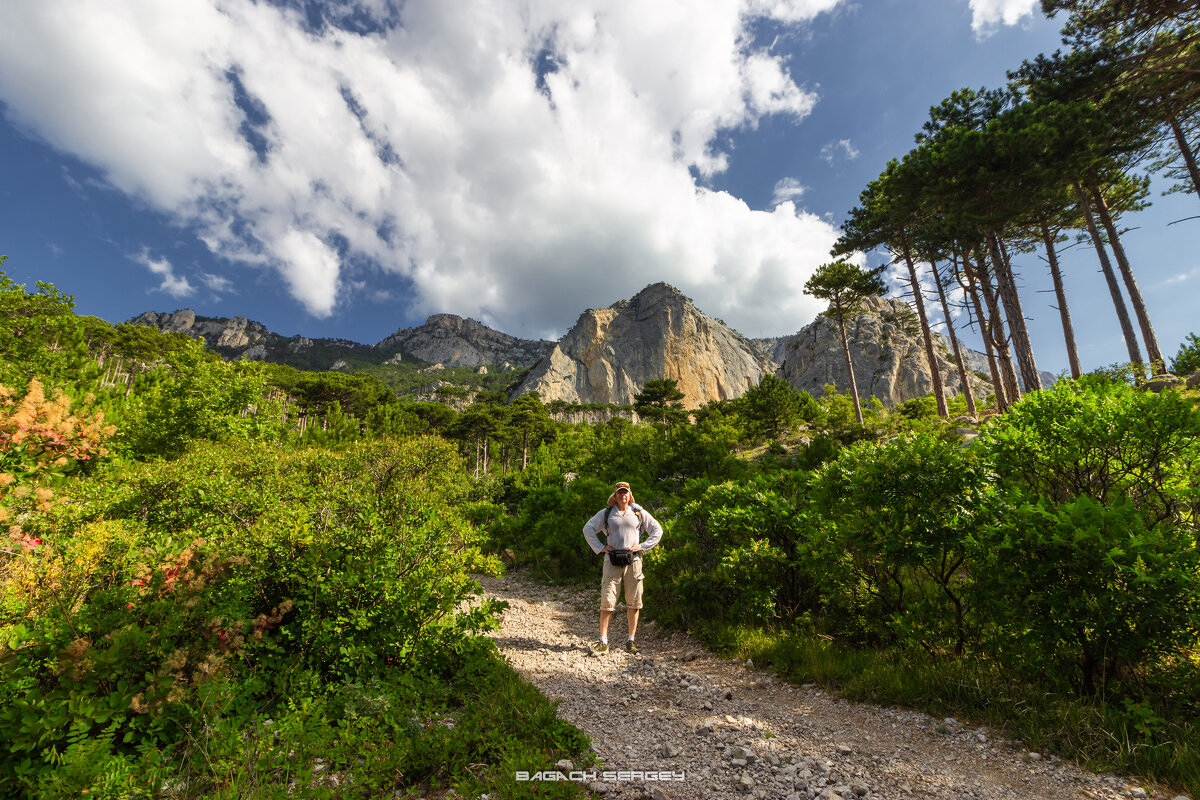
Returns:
point(845, 286)
point(660, 401)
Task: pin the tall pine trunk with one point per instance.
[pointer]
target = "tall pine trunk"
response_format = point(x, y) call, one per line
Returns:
point(1114, 289)
point(1189, 157)
point(841, 317)
point(1153, 352)
point(967, 280)
point(1060, 293)
point(1007, 287)
point(133, 365)
point(939, 391)
point(958, 356)
point(996, 329)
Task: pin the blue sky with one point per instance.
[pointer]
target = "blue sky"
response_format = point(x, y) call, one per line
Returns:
point(347, 168)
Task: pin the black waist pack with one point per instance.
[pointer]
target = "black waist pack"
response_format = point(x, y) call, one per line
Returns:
point(620, 558)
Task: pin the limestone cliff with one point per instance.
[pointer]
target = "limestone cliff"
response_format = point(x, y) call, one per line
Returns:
point(772, 348)
point(611, 352)
point(457, 342)
point(888, 353)
point(234, 332)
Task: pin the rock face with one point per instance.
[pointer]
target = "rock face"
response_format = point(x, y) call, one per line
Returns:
point(772, 348)
point(611, 352)
point(888, 353)
point(457, 342)
point(235, 332)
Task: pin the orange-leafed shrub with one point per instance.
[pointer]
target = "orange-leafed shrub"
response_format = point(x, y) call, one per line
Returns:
point(41, 439)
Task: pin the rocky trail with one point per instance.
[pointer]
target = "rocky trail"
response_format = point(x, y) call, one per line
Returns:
point(735, 731)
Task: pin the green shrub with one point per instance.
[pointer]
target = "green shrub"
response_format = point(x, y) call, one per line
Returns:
point(1103, 440)
point(365, 540)
point(899, 518)
point(117, 648)
point(41, 335)
point(740, 551)
point(164, 596)
point(701, 451)
point(918, 408)
point(638, 454)
point(546, 533)
point(819, 450)
point(1088, 592)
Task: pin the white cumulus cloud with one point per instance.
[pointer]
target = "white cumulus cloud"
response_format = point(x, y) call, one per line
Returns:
point(516, 162)
point(988, 15)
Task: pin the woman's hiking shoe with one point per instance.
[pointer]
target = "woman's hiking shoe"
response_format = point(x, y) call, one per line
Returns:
point(598, 648)
point(631, 647)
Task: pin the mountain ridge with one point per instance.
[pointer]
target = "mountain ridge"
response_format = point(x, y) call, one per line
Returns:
point(609, 353)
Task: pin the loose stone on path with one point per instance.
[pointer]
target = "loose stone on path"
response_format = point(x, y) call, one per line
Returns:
point(736, 732)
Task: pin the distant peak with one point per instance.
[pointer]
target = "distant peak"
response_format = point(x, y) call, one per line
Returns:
point(655, 293)
point(660, 288)
point(454, 323)
point(443, 319)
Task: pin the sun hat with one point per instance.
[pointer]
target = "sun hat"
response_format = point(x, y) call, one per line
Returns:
point(612, 498)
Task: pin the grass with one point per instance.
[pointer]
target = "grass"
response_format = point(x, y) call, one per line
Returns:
point(1120, 736)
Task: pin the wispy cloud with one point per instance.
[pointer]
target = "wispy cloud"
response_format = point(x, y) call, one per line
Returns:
point(839, 149)
point(509, 161)
point(787, 189)
point(172, 284)
point(217, 283)
point(1181, 277)
point(988, 15)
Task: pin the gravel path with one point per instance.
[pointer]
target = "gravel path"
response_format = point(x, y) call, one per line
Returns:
point(736, 731)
